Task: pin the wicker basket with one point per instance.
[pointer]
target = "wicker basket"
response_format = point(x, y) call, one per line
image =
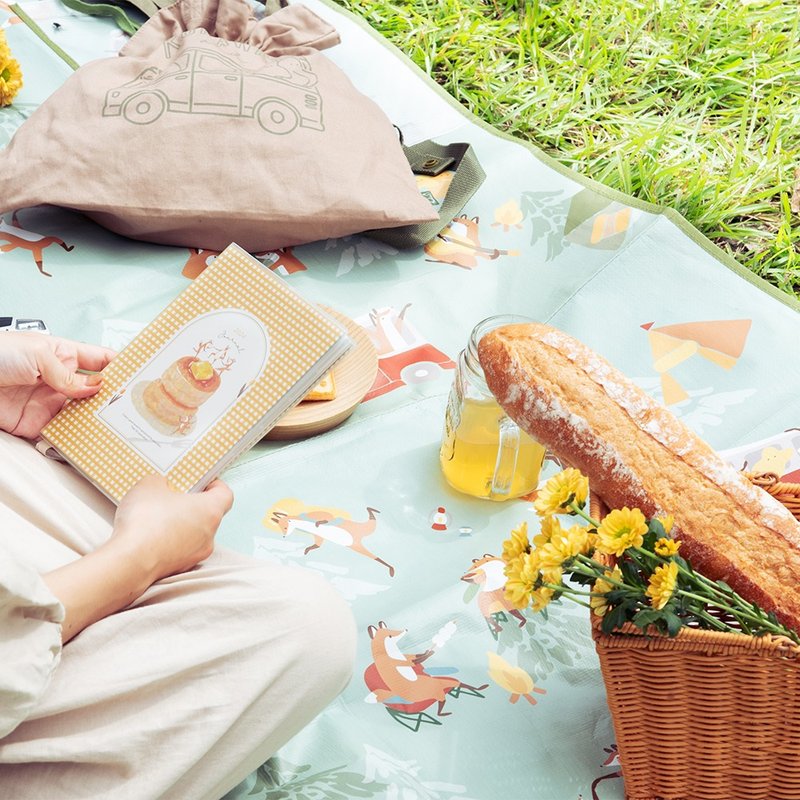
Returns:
point(705, 715)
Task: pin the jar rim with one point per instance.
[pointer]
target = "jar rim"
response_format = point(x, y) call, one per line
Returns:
point(490, 324)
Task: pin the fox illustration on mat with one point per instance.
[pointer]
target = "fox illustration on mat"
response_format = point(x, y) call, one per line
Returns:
point(400, 681)
point(330, 526)
point(487, 573)
point(282, 261)
point(15, 237)
point(459, 244)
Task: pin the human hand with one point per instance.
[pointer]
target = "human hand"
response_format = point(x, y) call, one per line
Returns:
point(37, 375)
point(165, 531)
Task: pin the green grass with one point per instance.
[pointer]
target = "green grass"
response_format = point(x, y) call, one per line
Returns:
point(690, 104)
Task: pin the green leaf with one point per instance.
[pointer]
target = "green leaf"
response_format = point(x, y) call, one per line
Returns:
point(646, 617)
point(656, 529)
point(630, 573)
point(673, 621)
point(614, 619)
point(649, 541)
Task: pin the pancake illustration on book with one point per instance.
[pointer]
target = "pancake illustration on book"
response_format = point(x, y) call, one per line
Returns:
point(169, 404)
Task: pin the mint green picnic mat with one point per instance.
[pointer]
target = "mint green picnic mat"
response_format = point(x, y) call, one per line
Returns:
point(540, 241)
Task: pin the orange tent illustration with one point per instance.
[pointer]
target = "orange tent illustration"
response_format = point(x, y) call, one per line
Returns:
point(718, 341)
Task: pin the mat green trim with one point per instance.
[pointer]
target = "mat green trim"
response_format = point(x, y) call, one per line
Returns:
point(613, 194)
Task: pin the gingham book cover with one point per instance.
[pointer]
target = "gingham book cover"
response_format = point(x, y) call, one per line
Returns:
point(200, 384)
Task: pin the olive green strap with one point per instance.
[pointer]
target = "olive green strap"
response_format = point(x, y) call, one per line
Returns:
point(129, 17)
point(430, 158)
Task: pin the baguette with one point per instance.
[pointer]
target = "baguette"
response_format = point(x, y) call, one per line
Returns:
point(637, 454)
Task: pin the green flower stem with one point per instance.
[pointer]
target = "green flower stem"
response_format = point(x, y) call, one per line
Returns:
point(598, 570)
point(573, 593)
point(697, 579)
point(713, 622)
point(746, 614)
point(576, 509)
point(744, 617)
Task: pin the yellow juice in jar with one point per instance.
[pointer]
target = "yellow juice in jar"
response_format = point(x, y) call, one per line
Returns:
point(470, 450)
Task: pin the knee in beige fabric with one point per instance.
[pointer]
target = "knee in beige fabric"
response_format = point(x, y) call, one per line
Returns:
point(329, 641)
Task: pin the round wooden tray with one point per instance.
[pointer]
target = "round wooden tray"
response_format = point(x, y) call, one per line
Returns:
point(354, 374)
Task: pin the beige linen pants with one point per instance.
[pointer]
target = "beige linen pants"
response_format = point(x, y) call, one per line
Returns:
point(185, 692)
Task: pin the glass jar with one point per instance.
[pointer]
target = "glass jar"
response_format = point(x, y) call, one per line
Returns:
point(484, 453)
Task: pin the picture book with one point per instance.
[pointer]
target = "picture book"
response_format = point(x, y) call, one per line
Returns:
point(202, 383)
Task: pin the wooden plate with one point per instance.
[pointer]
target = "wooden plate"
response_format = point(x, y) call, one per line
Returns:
point(354, 374)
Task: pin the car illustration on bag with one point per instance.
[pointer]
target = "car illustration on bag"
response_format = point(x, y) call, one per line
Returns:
point(281, 95)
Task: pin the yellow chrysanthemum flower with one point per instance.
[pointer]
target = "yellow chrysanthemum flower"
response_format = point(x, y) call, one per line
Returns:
point(667, 521)
point(552, 575)
point(601, 588)
point(579, 540)
point(5, 50)
point(549, 527)
point(517, 544)
point(10, 80)
point(541, 597)
point(568, 486)
point(667, 547)
point(662, 584)
point(622, 528)
point(521, 576)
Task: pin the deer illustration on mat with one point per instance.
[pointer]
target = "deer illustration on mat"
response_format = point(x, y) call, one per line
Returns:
point(325, 526)
point(16, 237)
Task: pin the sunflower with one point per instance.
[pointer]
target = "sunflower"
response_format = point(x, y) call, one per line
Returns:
point(569, 486)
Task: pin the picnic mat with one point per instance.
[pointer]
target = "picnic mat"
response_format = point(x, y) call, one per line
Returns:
point(634, 282)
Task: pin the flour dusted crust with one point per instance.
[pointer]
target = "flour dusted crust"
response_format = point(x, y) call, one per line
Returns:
point(636, 453)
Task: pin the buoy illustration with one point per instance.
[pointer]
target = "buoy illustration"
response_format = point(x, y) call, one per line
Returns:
point(440, 519)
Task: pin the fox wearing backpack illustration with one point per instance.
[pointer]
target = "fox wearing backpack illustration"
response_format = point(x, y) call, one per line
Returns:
point(459, 243)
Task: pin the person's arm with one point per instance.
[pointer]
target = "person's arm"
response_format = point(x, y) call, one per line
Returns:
point(157, 532)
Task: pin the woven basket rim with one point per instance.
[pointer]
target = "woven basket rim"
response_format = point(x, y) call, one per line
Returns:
point(698, 639)
point(692, 639)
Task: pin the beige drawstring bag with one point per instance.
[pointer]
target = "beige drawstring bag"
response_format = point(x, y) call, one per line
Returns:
point(211, 127)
